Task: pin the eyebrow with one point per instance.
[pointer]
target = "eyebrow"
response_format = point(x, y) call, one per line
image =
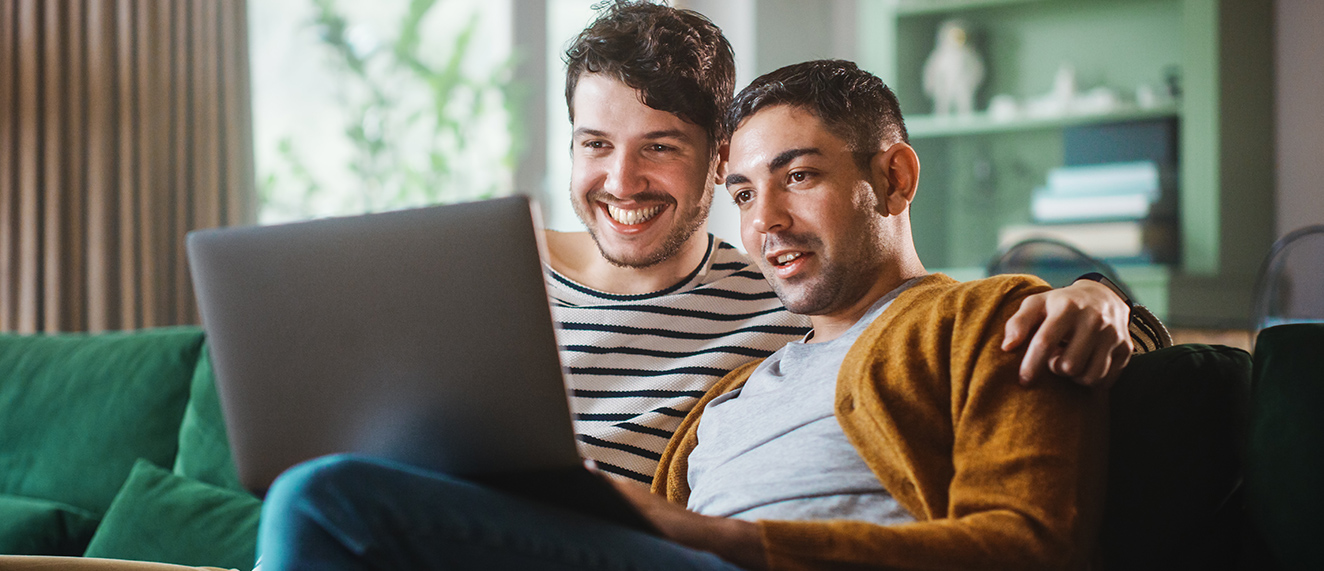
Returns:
point(786, 157)
point(779, 161)
point(662, 134)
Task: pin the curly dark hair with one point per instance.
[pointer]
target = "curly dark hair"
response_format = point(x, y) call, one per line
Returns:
point(677, 60)
point(853, 104)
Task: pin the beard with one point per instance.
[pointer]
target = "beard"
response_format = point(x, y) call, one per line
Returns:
point(844, 275)
point(684, 225)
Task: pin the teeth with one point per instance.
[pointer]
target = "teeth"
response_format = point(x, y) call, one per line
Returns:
point(782, 259)
point(632, 217)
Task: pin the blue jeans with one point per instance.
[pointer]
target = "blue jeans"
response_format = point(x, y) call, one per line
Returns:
point(351, 512)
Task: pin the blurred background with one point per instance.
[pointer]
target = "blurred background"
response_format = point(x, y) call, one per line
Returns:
point(1171, 141)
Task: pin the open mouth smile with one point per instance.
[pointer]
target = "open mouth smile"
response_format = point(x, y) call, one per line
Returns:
point(632, 217)
point(786, 264)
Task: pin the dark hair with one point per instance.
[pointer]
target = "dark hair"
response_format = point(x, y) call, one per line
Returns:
point(853, 104)
point(678, 60)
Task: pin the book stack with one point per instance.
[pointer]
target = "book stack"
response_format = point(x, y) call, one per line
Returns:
point(1119, 212)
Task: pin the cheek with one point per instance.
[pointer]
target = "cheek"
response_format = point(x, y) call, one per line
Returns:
point(583, 174)
point(752, 240)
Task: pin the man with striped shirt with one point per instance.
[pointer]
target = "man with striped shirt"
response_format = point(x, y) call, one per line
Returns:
point(651, 309)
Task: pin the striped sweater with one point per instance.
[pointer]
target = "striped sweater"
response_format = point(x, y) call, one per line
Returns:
point(636, 364)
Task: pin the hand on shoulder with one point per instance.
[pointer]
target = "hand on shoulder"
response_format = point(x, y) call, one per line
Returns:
point(1079, 332)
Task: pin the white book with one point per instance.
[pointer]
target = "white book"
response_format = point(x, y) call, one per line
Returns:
point(1110, 178)
point(1126, 239)
point(1052, 208)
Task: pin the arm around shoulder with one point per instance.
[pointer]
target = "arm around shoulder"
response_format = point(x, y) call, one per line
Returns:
point(998, 475)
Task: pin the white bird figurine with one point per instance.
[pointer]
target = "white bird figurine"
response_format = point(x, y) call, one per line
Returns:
point(953, 71)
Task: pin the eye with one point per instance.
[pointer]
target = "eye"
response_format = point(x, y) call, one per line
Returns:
point(658, 148)
point(595, 144)
point(799, 176)
point(742, 196)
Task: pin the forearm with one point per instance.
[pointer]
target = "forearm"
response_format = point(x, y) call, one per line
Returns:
point(734, 540)
point(995, 539)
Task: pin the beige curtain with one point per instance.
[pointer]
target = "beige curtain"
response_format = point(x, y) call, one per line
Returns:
point(124, 124)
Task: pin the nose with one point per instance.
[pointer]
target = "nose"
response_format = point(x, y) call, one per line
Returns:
point(768, 213)
point(624, 177)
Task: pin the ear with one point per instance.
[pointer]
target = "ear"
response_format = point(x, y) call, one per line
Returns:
point(895, 173)
point(723, 155)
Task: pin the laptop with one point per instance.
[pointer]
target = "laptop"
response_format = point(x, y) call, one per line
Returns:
point(422, 336)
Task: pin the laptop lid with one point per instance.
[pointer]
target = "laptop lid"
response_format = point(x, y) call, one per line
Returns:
point(422, 336)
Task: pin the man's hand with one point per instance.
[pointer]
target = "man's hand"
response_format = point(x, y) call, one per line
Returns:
point(734, 540)
point(1079, 332)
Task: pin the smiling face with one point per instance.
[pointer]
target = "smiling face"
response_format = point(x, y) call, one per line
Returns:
point(641, 179)
point(808, 215)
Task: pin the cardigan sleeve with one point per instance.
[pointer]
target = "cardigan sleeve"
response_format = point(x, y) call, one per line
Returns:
point(999, 476)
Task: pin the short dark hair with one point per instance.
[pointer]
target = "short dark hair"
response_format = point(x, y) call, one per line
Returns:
point(678, 60)
point(853, 104)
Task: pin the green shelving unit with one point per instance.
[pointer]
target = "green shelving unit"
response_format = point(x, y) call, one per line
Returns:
point(977, 173)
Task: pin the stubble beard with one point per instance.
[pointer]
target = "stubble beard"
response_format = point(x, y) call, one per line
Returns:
point(841, 280)
point(684, 226)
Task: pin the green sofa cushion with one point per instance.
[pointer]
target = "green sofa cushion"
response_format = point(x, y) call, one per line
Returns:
point(204, 449)
point(76, 410)
point(163, 517)
point(1176, 427)
point(39, 527)
point(1285, 456)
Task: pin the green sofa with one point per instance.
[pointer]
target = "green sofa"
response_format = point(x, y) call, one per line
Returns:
point(112, 445)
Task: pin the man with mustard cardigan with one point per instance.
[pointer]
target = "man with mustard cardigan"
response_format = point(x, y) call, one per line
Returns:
point(968, 470)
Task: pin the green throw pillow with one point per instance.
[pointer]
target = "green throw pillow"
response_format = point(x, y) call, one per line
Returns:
point(76, 410)
point(204, 449)
point(38, 527)
point(159, 516)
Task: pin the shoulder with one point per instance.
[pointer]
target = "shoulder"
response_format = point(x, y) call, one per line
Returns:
point(725, 260)
point(569, 252)
point(729, 269)
point(938, 292)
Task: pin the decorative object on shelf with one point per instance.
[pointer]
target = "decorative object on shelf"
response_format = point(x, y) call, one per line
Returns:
point(1066, 98)
point(953, 71)
point(1057, 101)
point(1003, 108)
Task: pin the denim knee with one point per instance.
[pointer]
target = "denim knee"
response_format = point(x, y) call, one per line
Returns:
point(319, 475)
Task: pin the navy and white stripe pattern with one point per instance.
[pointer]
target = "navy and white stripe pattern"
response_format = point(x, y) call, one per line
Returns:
point(636, 364)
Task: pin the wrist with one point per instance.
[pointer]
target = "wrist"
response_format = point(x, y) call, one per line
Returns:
point(1105, 281)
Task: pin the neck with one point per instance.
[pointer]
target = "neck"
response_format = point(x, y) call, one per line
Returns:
point(832, 325)
point(575, 256)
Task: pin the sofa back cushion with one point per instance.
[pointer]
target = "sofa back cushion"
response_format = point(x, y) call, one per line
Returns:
point(77, 410)
point(1285, 457)
point(204, 448)
point(1174, 466)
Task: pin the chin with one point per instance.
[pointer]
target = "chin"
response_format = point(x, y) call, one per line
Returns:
point(630, 255)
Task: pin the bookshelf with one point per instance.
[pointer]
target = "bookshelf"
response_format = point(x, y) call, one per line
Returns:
point(978, 173)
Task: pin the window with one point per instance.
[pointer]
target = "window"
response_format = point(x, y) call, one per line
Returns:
point(371, 106)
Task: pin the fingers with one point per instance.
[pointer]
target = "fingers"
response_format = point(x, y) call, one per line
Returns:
point(1045, 344)
point(1121, 356)
point(1089, 344)
point(1026, 319)
point(1100, 347)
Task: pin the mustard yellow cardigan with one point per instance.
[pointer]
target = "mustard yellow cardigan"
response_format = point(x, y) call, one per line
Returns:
point(998, 476)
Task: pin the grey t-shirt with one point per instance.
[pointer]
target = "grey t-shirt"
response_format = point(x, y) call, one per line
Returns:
point(774, 450)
